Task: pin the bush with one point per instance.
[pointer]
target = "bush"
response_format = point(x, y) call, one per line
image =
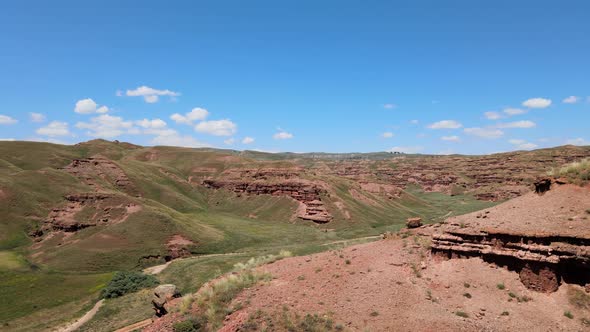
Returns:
point(127, 282)
point(501, 286)
point(189, 325)
point(568, 314)
point(462, 314)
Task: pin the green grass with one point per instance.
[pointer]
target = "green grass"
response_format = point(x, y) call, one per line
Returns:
point(216, 221)
point(24, 293)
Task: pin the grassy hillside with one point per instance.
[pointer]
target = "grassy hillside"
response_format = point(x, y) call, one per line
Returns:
point(157, 193)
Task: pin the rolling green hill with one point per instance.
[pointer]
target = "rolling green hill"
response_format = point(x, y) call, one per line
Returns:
point(73, 215)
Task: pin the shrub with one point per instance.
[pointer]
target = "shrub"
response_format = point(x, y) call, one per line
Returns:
point(127, 282)
point(462, 314)
point(568, 314)
point(467, 295)
point(347, 262)
point(466, 285)
point(501, 286)
point(505, 313)
point(374, 314)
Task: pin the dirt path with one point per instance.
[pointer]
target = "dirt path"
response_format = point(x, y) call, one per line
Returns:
point(83, 320)
point(153, 270)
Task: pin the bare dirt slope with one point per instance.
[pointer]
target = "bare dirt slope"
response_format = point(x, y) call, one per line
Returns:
point(397, 284)
point(385, 288)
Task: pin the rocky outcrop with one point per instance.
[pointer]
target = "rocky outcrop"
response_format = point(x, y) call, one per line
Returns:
point(86, 210)
point(414, 222)
point(98, 171)
point(545, 238)
point(307, 193)
point(178, 247)
point(542, 262)
point(163, 294)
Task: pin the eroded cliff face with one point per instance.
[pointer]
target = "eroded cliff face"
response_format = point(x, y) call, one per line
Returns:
point(100, 172)
point(545, 237)
point(87, 210)
point(307, 193)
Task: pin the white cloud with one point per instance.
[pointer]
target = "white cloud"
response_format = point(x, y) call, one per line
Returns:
point(578, 141)
point(217, 128)
point(518, 124)
point(88, 106)
point(6, 120)
point(387, 134)
point(406, 149)
point(151, 124)
point(571, 100)
point(107, 126)
point(446, 124)
point(248, 140)
point(493, 115)
point(7, 139)
point(522, 144)
point(178, 140)
point(37, 117)
point(197, 113)
point(282, 135)
point(451, 138)
point(389, 106)
point(514, 111)
point(151, 95)
point(537, 103)
point(54, 128)
point(414, 121)
point(229, 141)
point(484, 132)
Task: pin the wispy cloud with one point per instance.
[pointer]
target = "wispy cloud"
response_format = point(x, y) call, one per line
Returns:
point(537, 103)
point(217, 127)
point(451, 138)
point(389, 106)
point(196, 114)
point(571, 100)
point(522, 144)
point(7, 120)
point(151, 95)
point(107, 126)
point(248, 140)
point(518, 124)
point(445, 124)
point(387, 134)
point(282, 135)
point(489, 133)
point(54, 128)
point(37, 117)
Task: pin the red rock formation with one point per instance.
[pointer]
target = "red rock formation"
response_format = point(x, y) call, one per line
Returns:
point(95, 170)
point(96, 209)
point(305, 192)
point(533, 235)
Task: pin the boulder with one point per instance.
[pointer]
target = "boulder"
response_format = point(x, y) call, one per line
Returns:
point(414, 222)
point(163, 294)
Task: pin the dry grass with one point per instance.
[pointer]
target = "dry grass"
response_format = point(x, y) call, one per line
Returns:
point(577, 172)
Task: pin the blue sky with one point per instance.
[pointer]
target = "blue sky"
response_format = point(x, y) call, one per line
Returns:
point(336, 76)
